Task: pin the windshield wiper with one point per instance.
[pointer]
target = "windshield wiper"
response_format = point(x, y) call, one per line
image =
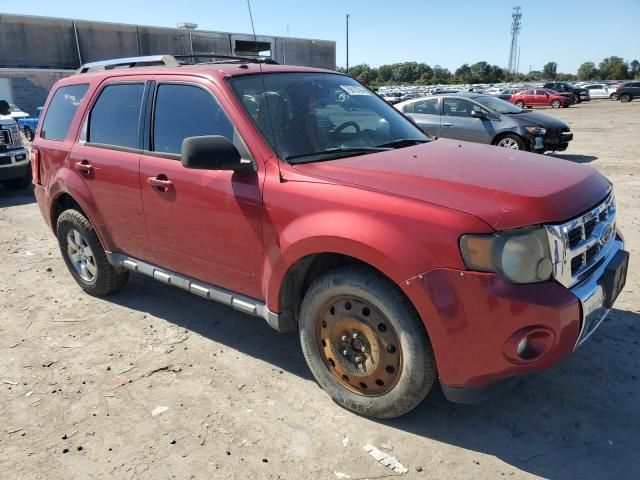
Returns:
point(339, 150)
point(403, 142)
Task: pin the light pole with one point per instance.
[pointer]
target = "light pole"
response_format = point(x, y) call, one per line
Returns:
point(347, 69)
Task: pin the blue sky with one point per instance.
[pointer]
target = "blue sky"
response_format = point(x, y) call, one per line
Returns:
point(432, 31)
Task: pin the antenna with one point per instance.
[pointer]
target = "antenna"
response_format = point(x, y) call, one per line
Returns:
point(264, 89)
point(516, 23)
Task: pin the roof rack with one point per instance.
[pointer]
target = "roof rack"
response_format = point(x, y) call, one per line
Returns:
point(226, 58)
point(166, 60)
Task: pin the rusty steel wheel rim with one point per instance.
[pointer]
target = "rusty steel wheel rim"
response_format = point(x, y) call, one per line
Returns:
point(358, 346)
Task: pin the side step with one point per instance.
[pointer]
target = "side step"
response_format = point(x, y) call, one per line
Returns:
point(281, 323)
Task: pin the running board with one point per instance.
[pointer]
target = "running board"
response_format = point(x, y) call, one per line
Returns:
point(232, 299)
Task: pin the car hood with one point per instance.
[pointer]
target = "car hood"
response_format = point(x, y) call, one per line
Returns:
point(539, 119)
point(503, 187)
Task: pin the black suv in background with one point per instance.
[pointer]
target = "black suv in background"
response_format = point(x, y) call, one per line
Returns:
point(628, 91)
point(580, 94)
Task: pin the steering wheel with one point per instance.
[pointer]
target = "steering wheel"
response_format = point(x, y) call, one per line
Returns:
point(344, 125)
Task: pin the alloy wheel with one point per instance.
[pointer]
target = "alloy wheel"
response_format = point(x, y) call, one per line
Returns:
point(81, 255)
point(509, 143)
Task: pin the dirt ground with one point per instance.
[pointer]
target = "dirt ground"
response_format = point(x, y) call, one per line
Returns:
point(82, 379)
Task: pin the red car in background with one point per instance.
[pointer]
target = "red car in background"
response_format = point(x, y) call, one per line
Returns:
point(542, 97)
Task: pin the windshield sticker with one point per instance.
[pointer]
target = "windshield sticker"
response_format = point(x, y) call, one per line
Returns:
point(355, 90)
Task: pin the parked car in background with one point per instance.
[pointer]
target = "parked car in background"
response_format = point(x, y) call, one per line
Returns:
point(505, 93)
point(391, 97)
point(29, 125)
point(541, 97)
point(580, 94)
point(628, 91)
point(601, 90)
point(15, 168)
point(487, 119)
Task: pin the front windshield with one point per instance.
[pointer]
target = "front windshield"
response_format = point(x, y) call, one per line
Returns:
point(498, 105)
point(319, 116)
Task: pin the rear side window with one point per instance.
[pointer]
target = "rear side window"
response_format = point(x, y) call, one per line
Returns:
point(115, 117)
point(183, 111)
point(61, 110)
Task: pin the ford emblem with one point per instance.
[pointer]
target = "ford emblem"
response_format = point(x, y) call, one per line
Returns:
point(607, 233)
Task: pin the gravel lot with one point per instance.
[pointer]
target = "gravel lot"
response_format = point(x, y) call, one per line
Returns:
point(81, 378)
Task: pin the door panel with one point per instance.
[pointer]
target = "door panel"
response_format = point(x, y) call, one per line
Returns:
point(457, 122)
point(204, 224)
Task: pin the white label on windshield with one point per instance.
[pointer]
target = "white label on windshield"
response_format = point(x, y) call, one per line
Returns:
point(355, 90)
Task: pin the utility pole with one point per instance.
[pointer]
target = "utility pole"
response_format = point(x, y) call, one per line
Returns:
point(347, 69)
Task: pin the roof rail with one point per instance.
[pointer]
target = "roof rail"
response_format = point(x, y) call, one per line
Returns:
point(166, 60)
point(225, 58)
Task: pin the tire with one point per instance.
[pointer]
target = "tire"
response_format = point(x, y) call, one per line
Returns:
point(625, 98)
point(577, 99)
point(98, 277)
point(510, 140)
point(555, 104)
point(18, 183)
point(613, 96)
point(519, 103)
point(28, 133)
point(356, 303)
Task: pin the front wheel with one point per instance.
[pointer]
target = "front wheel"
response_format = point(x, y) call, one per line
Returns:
point(84, 256)
point(365, 344)
point(555, 104)
point(625, 97)
point(613, 96)
point(28, 133)
point(511, 141)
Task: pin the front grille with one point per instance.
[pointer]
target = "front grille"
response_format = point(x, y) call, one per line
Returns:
point(5, 160)
point(579, 245)
point(10, 136)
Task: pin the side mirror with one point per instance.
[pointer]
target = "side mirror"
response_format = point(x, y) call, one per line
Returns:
point(478, 114)
point(212, 152)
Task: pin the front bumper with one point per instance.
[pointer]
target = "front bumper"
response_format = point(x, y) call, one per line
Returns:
point(470, 317)
point(14, 163)
point(552, 141)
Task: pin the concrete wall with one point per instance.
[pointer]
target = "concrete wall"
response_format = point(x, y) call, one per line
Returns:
point(40, 42)
point(30, 87)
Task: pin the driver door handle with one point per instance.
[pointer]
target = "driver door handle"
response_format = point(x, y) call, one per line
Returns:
point(160, 183)
point(447, 124)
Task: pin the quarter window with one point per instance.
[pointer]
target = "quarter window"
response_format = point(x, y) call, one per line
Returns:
point(183, 111)
point(115, 118)
point(61, 110)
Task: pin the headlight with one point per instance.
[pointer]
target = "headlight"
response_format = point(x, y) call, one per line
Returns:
point(519, 256)
point(536, 130)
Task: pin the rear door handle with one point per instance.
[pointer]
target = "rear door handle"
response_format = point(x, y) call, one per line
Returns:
point(84, 167)
point(447, 124)
point(160, 183)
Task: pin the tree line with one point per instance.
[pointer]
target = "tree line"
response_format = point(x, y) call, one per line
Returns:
point(611, 68)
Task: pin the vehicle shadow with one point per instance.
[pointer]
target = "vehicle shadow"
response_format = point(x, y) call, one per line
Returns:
point(13, 198)
point(578, 420)
point(217, 322)
point(575, 158)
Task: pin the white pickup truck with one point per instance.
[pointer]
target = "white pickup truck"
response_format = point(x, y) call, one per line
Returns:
point(15, 167)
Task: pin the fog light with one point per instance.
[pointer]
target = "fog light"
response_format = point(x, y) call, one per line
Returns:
point(529, 344)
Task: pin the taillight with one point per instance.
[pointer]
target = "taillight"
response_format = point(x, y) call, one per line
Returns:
point(35, 165)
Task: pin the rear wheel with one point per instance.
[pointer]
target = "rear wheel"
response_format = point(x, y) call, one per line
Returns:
point(18, 183)
point(510, 141)
point(613, 96)
point(520, 103)
point(625, 97)
point(365, 344)
point(84, 256)
point(555, 103)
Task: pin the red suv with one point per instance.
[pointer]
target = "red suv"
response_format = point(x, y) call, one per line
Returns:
point(542, 97)
point(299, 196)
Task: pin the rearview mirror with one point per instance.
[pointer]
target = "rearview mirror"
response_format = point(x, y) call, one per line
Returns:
point(478, 114)
point(212, 152)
